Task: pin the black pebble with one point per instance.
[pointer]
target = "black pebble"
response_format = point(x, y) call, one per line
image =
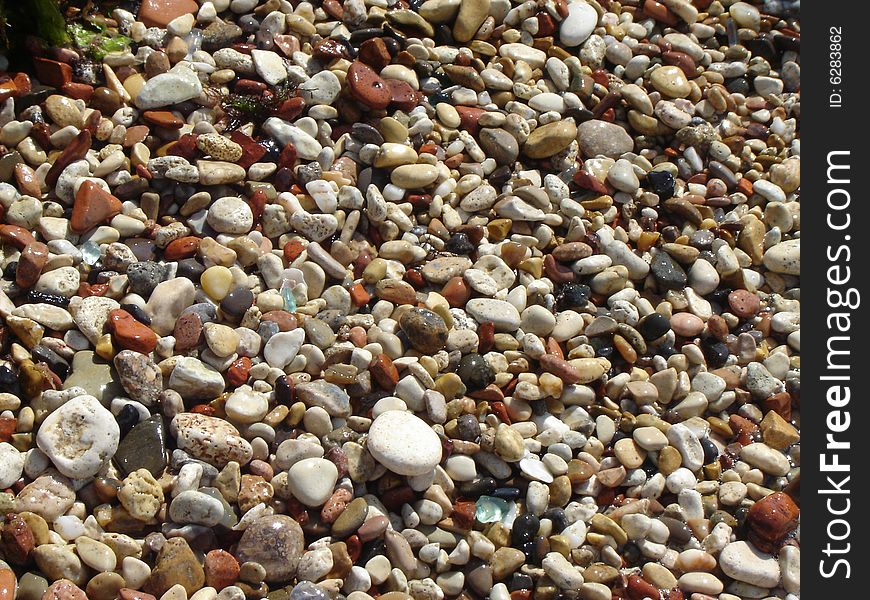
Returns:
point(573, 295)
point(603, 346)
point(668, 274)
point(283, 392)
point(126, 418)
point(711, 451)
point(558, 517)
point(55, 362)
point(459, 244)
point(506, 493)
point(9, 381)
point(190, 268)
point(738, 85)
point(715, 352)
point(524, 531)
point(654, 326)
point(43, 297)
point(10, 270)
point(520, 581)
point(484, 486)
point(662, 183)
point(137, 313)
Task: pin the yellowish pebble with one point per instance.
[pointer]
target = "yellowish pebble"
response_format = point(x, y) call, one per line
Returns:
point(217, 282)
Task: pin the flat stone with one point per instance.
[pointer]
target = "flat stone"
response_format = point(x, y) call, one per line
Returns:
point(499, 145)
point(139, 375)
point(194, 380)
point(602, 138)
point(191, 506)
point(95, 376)
point(158, 13)
point(426, 330)
point(741, 561)
point(176, 564)
point(167, 302)
point(784, 257)
point(367, 86)
point(49, 496)
point(670, 81)
point(269, 66)
point(177, 85)
point(328, 396)
point(471, 16)
point(503, 315)
point(550, 139)
point(282, 347)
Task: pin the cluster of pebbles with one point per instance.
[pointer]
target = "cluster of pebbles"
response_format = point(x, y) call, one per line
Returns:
point(384, 299)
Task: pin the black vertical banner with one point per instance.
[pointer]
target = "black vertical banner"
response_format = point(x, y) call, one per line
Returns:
point(834, 293)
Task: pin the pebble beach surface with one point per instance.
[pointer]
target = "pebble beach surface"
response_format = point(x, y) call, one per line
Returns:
point(442, 299)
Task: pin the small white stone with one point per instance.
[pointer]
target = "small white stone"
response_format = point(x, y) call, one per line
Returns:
point(312, 480)
point(283, 347)
point(11, 464)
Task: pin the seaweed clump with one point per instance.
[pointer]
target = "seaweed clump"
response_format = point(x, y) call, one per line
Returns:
point(241, 108)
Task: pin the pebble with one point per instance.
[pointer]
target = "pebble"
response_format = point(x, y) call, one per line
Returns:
point(578, 25)
point(175, 564)
point(503, 315)
point(426, 330)
point(403, 443)
point(173, 87)
point(740, 561)
point(312, 480)
point(79, 437)
point(550, 139)
point(276, 542)
point(210, 439)
point(600, 138)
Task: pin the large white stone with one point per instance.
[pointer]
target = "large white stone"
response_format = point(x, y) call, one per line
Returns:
point(404, 443)
point(177, 85)
point(743, 562)
point(79, 437)
point(578, 25)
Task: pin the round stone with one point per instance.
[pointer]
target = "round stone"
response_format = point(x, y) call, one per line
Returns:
point(230, 215)
point(475, 372)
point(426, 330)
point(312, 480)
point(578, 25)
point(404, 443)
point(670, 81)
point(276, 542)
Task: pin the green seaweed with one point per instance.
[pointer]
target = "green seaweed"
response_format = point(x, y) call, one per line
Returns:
point(97, 43)
point(242, 108)
point(50, 22)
